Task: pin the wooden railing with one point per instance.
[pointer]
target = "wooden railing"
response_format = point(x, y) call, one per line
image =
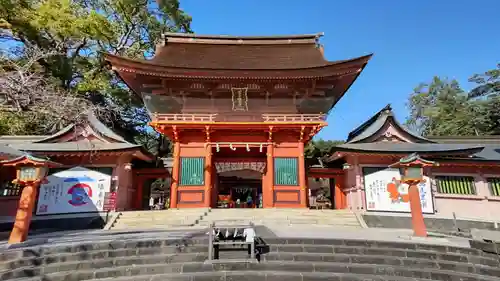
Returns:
point(204, 117)
point(184, 117)
point(293, 117)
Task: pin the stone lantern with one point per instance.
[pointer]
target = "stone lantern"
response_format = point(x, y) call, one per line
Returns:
point(411, 168)
point(30, 172)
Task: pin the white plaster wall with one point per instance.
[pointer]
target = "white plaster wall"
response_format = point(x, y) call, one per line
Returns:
point(354, 186)
point(468, 209)
point(482, 206)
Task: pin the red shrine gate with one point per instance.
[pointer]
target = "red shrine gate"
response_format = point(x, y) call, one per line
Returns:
point(252, 102)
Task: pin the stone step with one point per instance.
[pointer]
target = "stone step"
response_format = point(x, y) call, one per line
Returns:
point(166, 221)
point(361, 243)
point(211, 216)
point(99, 259)
point(189, 268)
point(149, 227)
point(253, 276)
point(450, 253)
point(102, 254)
point(341, 246)
point(279, 222)
point(161, 213)
point(457, 263)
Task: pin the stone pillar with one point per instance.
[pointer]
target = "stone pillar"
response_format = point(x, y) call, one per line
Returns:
point(302, 177)
point(175, 175)
point(24, 213)
point(208, 175)
point(268, 190)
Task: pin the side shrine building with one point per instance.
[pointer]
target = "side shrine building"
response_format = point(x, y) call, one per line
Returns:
point(239, 111)
point(466, 183)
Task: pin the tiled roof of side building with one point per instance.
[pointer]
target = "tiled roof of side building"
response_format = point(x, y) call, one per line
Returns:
point(377, 123)
point(491, 144)
point(405, 148)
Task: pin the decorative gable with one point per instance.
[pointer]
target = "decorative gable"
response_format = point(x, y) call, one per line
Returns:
point(383, 127)
point(92, 131)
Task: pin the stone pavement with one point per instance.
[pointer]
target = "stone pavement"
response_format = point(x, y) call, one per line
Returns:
point(84, 236)
point(297, 231)
point(378, 234)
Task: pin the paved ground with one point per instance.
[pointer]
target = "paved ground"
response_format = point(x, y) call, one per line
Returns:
point(327, 232)
point(75, 237)
point(380, 234)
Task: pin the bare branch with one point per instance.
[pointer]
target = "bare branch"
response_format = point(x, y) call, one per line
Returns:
point(27, 92)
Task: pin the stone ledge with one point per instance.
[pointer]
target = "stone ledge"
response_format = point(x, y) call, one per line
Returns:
point(270, 267)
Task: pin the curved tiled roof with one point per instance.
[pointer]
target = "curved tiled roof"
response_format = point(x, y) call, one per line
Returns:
point(153, 68)
point(406, 148)
point(377, 122)
point(208, 56)
point(240, 52)
point(7, 152)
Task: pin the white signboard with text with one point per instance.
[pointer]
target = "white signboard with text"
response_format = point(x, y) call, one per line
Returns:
point(76, 190)
point(385, 192)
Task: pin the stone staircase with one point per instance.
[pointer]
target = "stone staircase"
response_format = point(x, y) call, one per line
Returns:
point(281, 259)
point(345, 218)
point(164, 219)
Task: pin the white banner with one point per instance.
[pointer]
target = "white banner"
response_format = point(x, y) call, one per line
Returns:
point(76, 190)
point(385, 192)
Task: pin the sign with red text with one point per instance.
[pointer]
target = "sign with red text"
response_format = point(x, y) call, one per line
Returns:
point(76, 190)
point(385, 192)
point(109, 201)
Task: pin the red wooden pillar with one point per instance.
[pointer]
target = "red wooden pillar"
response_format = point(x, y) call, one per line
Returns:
point(139, 189)
point(302, 177)
point(175, 175)
point(208, 175)
point(268, 190)
point(417, 216)
point(340, 198)
point(24, 213)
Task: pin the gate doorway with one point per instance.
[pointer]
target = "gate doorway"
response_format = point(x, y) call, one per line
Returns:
point(239, 189)
point(152, 189)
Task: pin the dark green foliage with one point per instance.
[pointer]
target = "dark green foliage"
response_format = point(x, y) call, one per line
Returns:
point(443, 108)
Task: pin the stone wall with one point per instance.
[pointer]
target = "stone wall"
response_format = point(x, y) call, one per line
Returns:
point(433, 224)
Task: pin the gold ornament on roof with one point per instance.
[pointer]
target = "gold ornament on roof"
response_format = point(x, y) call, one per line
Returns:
point(240, 99)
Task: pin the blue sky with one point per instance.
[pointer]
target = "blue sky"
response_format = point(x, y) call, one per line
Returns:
point(412, 41)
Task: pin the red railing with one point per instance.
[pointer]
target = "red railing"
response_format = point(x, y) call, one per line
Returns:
point(185, 117)
point(293, 117)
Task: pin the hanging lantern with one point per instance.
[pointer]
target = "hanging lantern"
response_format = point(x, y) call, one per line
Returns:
point(248, 148)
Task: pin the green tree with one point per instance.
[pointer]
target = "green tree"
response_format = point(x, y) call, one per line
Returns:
point(443, 108)
point(488, 93)
point(320, 148)
point(80, 32)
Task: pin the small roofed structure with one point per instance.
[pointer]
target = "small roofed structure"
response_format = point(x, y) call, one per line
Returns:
point(88, 143)
point(89, 138)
